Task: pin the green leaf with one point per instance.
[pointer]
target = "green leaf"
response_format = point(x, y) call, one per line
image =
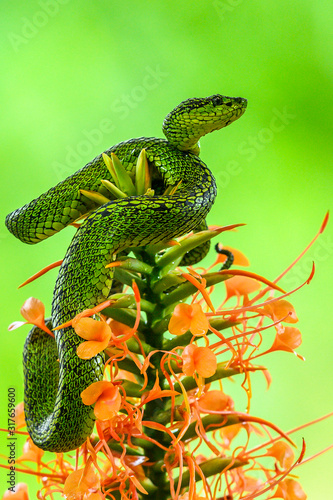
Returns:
point(142, 176)
point(95, 196)
point(117, 193)
point(119, 175)
point(131, 264)
point(176, 252)
point(184, 290)
point(173, 278)
point(124, 181)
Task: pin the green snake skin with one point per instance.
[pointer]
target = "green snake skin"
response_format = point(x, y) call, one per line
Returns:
point(57, 420)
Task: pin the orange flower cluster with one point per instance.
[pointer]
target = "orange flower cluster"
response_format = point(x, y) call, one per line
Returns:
point(163, 394)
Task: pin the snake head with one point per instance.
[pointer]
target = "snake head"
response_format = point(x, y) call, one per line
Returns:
point(225, 109)
point(196, 117)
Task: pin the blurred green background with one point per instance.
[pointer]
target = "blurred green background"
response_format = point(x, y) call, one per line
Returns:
point(79, 76)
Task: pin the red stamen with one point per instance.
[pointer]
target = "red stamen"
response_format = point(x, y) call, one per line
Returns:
point(235, 312)
point(201, 287)
point(249, 274)
point(86, 313)
point(41, 272)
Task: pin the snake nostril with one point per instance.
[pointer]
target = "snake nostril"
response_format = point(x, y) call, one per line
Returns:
point(241, 100)
point(237, 100)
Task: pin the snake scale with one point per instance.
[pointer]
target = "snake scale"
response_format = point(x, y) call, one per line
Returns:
point(57, 420)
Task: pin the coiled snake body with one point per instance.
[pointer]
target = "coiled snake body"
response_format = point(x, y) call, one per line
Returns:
point(57, 420)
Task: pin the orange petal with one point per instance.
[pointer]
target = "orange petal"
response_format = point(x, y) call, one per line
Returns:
point(124, 375)
point(108, 404)
point(91, 329)
point(241, 285)
point(230, 432)
point(188, 362)
point(251, 483)
point(31, 452)
point(138, 485)
point(199, 322)
point(214, 400)
point(180, 321)
point(205, 362)
point(239, 258)
point(281, 309)
point(79, 482)
point(85, 313)
point(97, 495)
point(89, 349)
point(186, 497)
point(106, 397)
point(20, 493)
point(134, 462)
point(289, 339)
point(283, 454)
point(289, 489)
point(93, 391)
point(154, 394)
point(118, 328)
point(33, 310)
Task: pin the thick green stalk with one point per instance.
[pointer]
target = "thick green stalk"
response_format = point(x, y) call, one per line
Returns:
point(157, 307)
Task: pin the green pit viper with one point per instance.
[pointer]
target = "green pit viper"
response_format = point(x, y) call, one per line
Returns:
point(56, 418)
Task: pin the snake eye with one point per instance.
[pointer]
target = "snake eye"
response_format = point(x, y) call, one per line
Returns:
point(217, 100)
